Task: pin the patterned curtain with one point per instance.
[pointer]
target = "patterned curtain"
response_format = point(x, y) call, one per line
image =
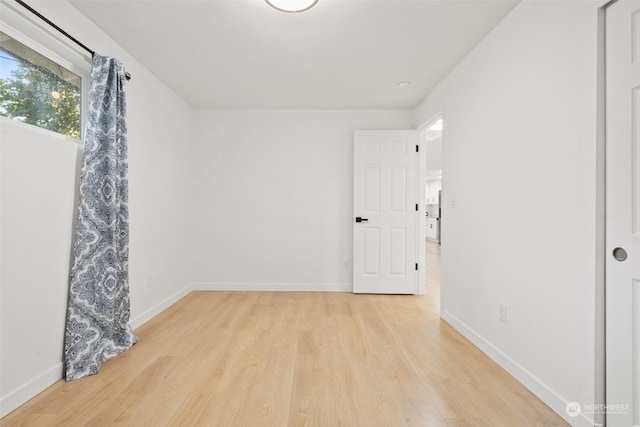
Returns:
point(98, 312)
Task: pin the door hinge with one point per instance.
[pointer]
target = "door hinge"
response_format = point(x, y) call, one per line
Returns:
point(416, 266)
point(416, 207)
point(417, 148)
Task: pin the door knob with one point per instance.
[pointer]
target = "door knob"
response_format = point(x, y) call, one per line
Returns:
point(620, 254)
point(358, 219)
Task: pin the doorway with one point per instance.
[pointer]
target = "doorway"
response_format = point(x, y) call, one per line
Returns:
point(430, 137)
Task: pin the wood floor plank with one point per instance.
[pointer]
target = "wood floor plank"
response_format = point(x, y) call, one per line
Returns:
point(295, 359)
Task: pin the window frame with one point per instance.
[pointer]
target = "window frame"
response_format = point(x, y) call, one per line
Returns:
point(27, 29)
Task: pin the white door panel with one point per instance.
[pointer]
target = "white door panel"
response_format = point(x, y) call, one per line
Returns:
point(385, 196)
point(623, 212)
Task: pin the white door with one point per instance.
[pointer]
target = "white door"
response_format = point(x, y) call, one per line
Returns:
point(623, 213)
point(385, 212)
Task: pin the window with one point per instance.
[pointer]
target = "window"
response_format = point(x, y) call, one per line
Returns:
point(38, 91)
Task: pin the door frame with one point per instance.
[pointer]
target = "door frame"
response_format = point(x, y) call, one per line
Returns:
point(421, 286)
point(600, 368)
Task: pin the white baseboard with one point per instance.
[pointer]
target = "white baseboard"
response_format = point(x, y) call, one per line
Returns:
point(25, 392)
point(275, 287)
point(537, 387)
point(143, 318)
point(22, 394)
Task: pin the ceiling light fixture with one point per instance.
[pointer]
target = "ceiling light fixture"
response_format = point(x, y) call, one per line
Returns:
point(292, 6)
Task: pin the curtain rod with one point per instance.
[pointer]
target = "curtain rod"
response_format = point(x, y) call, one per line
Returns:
point(63, 32)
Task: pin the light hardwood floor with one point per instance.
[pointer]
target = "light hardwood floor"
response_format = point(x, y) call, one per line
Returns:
point(295, 359)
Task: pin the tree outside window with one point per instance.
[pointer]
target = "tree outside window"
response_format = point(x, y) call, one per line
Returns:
point(37, 91)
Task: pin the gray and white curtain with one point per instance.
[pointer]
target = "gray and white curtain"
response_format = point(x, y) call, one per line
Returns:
point(98, 312)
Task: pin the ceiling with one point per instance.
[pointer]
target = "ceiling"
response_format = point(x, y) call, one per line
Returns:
point(341, 54)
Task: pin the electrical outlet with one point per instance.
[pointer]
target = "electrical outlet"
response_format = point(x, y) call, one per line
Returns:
point(346, 264)
point(149, 280)
point(503, 313)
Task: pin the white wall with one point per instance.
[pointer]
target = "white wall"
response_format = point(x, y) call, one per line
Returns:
point(38, 184)
point(519, 189)
point(274, 203)
point(274, 207)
